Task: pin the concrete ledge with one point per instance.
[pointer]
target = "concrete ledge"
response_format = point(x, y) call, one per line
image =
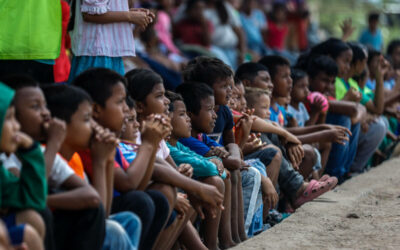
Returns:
point(363, 213)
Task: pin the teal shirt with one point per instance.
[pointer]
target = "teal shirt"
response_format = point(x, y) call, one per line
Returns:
point(202, 167)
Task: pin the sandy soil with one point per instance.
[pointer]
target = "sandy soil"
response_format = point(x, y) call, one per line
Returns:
point(363, 213)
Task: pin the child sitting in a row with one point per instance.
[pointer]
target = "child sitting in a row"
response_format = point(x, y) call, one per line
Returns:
point(19, 196)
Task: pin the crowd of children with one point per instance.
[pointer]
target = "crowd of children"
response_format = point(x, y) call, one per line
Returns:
point(192, 147)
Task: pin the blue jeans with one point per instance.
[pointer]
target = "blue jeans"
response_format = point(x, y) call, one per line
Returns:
point(251, 188)
point(341, 157)
point(122, 232)
point(367, 144)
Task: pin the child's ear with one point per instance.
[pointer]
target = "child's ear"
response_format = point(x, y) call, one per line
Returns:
point(246, 83)
point(96, 110)
point(139, 107)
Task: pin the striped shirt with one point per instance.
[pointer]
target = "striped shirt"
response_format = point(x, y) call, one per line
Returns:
point(92, 39)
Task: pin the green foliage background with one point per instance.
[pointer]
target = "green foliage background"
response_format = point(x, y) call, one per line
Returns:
point(331, 13)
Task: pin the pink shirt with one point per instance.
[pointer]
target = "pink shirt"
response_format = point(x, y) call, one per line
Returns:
point(163, 29)
point(111, 39)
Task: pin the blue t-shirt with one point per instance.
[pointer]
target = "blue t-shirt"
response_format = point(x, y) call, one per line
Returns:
point(301, 115)
point(200, 146)
point(373, 40)
point(278, 115)
point(224, 122)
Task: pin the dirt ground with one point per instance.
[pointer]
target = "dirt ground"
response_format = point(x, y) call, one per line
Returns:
point(363, 213)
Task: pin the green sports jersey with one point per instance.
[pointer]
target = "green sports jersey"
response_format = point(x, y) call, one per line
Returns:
point(30, 29)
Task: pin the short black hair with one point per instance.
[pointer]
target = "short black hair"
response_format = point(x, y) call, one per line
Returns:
point(359, 52)
point(373, 16)
point(392, 46)
point(332, 47)
point(130, 102)
point(173, 97)
point(193, 93)
point(297, 74)
point(191, 3)
point(322, 63)
point(248, 71)
point(64, 100)
point(207, 70)
point(272, 63)
point(98, 82)
point(18, 81)
point(141, 82)
point(372, 53)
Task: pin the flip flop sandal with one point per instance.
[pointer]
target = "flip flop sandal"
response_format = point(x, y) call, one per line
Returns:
point(332, 182)
point(313, 190)
point(324, 178)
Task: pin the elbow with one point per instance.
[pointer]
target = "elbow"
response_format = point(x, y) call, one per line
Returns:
point(92, 199)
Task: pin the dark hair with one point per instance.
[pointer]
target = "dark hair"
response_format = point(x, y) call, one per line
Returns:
point(19, 81)
point(332, 47)
point(191, 3)
point(207, 70)
point(64, 100)
point(221, 11)
point(392, 46)
point(303, 60)
point(173, 97)
point(373, 17)
point(297, 74)
point(141, 82)
point(359, 52)
point(248, 71)
point(321, 63)
point(130, 102)
point(272, 63)
point(372, 53)
point(193, 93)
point(98, 82)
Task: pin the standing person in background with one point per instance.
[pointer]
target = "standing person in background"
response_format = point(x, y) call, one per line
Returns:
point(228, 36)
point(30, 43)
point(103, 34)
point(372, 36)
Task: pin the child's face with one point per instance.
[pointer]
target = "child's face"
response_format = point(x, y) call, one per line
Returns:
point(32, 112)
point(343, 62)
point(79, 129)
point(112, 115)
point(396, 57)
point(263, 81)
point(282, 82)
point(223, 90)
point(241, 103)
point(323, 83)
point(261, 108)
point(180, 121)
point(131, 126)
point(360, 66)
point(300, 90)
point(156, 102)
point(204, 121)
point(9, 137)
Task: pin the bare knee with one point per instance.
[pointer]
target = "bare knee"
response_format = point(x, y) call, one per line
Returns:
point(32, 238)
point(309, 154)
point(217, 182)
point(32, 218)
point(168, 191)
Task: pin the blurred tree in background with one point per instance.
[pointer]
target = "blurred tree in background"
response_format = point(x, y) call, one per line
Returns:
point(331, 13)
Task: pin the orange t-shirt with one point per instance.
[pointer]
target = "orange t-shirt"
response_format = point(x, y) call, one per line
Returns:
point(76, 164)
